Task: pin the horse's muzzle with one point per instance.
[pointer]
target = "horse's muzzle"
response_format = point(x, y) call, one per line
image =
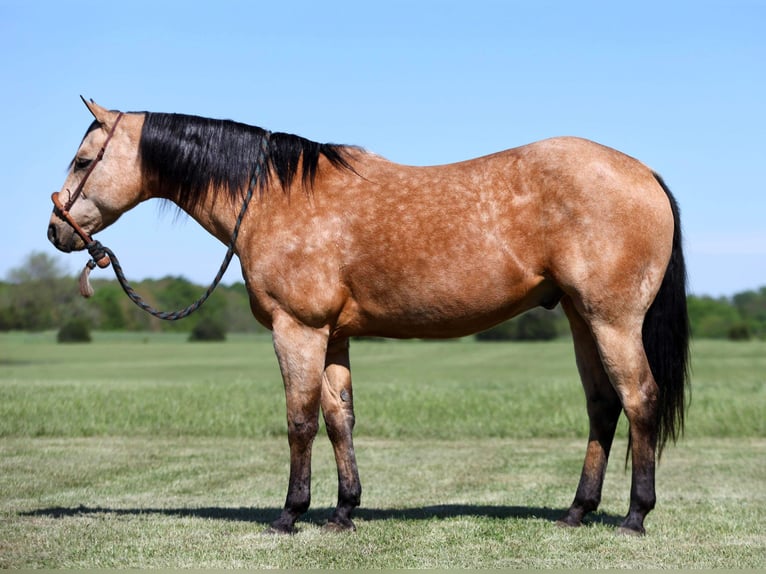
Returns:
point(63, 231)
point(52, 234)
point(63, 238)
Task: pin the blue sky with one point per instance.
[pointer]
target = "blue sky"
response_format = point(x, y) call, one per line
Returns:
point(680, 85)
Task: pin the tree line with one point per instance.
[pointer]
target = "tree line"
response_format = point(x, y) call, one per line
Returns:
point(41, 295)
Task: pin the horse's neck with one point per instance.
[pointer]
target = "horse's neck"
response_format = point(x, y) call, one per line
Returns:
point(217, 215)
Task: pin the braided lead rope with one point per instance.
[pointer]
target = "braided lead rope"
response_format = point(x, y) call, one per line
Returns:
point(98, 251)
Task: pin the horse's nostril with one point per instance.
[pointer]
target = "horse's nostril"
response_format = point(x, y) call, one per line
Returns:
point(52, 233)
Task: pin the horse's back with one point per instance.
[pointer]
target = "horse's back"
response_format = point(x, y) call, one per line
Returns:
point(440, 250)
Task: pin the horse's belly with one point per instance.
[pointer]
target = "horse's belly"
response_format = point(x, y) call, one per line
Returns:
point(447, 304)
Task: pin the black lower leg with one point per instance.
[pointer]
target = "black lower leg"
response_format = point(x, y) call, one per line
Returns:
point(349, 497)
point(301, 436)
point(642, 497)
point(603, 417)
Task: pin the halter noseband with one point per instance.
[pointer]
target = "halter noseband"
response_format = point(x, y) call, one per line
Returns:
point(101, 259)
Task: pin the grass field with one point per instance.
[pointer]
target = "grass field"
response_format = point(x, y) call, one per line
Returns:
point(146, 451)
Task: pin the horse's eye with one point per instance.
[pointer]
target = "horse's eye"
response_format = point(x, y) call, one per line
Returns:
point(82, 163)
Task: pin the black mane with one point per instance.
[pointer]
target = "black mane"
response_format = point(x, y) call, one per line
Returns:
point(186, 155)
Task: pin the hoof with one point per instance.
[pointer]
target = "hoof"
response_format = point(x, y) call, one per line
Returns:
point(568, 521)
point(562, 523)
point(627, 531)
point(276, 530)
point(339, 526)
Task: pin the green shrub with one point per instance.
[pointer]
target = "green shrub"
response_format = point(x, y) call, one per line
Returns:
point(739, 332)
point(74, 331)
point(534, 325)
point(208, 329)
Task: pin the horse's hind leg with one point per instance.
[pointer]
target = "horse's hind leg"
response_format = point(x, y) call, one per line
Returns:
point(603, 405)
point(622, 351)
point(338, 411)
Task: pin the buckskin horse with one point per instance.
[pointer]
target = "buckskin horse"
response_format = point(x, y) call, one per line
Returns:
point(340, 242)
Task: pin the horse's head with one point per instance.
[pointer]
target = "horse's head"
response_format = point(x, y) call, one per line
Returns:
point(103, 181)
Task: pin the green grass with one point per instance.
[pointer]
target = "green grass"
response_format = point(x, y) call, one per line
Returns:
point(146, 451)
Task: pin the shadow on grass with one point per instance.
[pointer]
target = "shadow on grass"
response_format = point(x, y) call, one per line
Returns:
point(266, 516)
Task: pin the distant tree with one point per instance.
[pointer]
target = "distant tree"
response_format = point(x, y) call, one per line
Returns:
point(235, 311)
point(534, 325)
point(176, 293)
point(8, 316)
point(752, 308)
point(38, 266)
point(109, 298)
point(505, 331)
point(39, 295)
point(173, 294)
point(711, 318)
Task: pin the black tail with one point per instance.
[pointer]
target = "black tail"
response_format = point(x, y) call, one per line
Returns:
point(666, 338)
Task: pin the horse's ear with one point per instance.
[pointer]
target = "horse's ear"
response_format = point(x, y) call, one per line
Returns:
point(101, 114)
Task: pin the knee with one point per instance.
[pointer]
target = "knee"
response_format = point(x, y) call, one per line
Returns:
point(301, 430)
point(298, 501)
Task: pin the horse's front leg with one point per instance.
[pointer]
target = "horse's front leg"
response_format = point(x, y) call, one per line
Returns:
point(301, 353)
point(338, 411)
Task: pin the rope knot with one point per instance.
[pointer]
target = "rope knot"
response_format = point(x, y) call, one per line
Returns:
point(98, 253)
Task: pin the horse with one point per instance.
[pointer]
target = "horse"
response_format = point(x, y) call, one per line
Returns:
point(340, 242)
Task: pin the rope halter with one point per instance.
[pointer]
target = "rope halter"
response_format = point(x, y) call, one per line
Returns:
point(102, 256)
